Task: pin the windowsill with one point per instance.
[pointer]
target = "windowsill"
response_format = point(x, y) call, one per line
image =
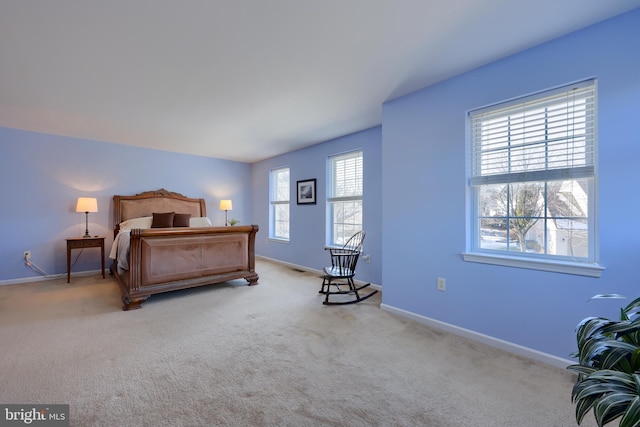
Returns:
point(567, 267)
point(275, 239)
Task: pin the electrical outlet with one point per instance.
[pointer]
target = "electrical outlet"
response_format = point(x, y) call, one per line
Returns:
point(367, 258)
point(27, 255)
point(442, 284)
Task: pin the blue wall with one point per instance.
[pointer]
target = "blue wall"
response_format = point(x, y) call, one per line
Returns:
point(415, 195)
point(42, 175)
point(308, 222)
point(424, 170)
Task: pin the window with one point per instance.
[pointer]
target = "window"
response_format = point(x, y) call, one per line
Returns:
point(279, 215)
point(344, 201)
point(532, 177)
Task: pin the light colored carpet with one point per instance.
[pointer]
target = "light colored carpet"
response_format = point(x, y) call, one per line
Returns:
point(266, 355)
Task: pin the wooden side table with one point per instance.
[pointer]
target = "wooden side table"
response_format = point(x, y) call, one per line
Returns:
point(81, 243)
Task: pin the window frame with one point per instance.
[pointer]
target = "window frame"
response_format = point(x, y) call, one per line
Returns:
point(274, 203)
point(333, 200)
point(476, 181)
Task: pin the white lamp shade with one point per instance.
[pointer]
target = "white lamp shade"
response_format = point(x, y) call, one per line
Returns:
point(226, 205)
point(87, 204)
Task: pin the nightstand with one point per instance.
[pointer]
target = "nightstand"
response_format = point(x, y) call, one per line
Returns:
point(81, 243)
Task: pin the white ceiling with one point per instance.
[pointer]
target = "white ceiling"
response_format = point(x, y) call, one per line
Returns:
point(247, 80)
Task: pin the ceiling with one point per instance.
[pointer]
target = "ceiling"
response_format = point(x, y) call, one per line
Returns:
point(246, 80)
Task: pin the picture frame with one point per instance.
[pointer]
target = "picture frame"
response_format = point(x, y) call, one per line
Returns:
point(307, 192)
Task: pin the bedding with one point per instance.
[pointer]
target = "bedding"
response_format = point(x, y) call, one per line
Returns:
point(121, 242)
point(171, 256)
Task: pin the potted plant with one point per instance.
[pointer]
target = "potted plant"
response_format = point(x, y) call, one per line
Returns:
point(233, 222)
point(608, 367)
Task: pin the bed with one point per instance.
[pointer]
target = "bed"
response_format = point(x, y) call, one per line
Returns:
point(156, 252)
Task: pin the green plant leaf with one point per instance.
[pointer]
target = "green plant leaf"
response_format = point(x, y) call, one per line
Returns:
point(583, 406)
point(635, 360)
point(631, 417)
point(633, 306)
point(607, 354)
point(626, 326)
point(598, 390)
point(618, 358)
point(608, 368)
point(581, 369)
point(591, 327)
point(609, 393)
point(614, 378)
point(611, 406)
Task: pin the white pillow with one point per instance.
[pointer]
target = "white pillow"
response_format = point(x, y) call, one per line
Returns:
point(143, 222)
point(201, 221)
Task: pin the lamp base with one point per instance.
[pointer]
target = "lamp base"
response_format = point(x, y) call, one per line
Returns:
point(86, 225)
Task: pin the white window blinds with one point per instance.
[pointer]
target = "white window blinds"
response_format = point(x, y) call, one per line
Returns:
point(280, 185)
point(536, 138)
point(346, 177)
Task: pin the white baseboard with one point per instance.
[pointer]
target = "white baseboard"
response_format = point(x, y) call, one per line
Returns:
point(49, 277)
point(311, 270)
point(517, 349)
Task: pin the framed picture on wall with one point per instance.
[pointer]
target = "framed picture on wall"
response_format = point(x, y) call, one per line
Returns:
point(307, 192)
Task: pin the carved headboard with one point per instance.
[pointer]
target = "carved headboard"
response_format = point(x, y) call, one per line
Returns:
point(145, 204)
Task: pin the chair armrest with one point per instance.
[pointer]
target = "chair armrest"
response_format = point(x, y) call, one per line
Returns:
point(342, 252)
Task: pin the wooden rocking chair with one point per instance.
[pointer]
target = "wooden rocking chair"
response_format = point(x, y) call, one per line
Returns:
point(340, 274)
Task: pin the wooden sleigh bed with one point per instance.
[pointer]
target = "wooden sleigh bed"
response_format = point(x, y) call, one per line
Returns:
point(175, 257)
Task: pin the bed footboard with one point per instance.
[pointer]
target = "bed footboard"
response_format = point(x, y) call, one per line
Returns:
point(163, 260)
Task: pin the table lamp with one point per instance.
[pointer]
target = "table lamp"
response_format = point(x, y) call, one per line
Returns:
point(86, 205)
point(226, 205)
